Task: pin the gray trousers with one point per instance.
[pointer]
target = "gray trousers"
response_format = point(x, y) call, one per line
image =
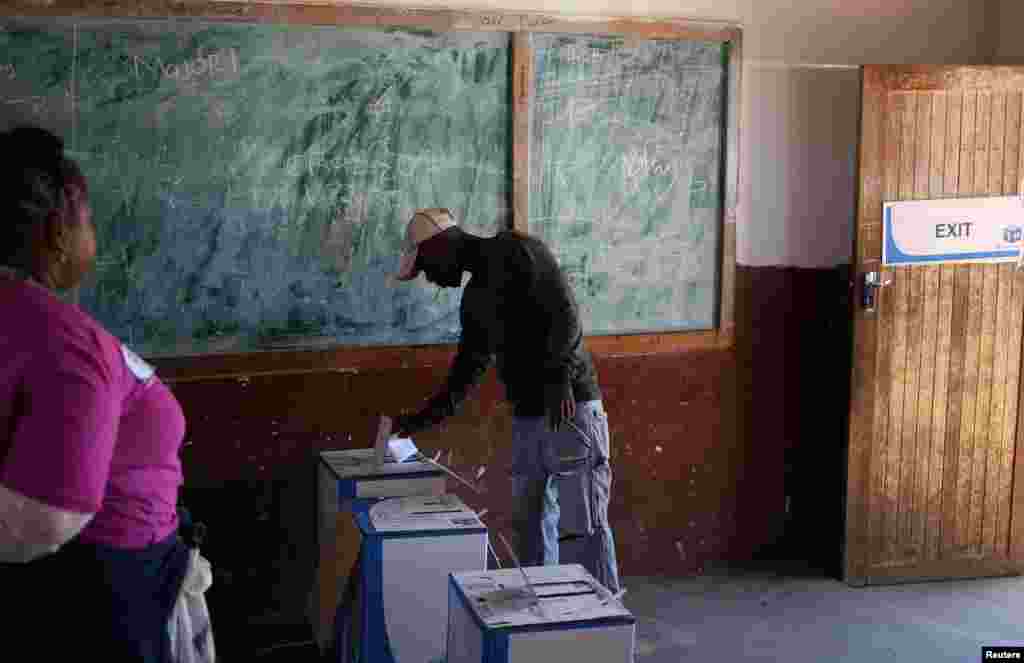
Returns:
point(562, 481)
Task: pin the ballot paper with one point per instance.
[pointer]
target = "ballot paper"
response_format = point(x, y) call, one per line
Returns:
point(423, 512)
point(388, 448)
point(402, 449)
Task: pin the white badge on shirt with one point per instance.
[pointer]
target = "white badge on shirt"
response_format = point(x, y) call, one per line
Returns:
point(142, 371)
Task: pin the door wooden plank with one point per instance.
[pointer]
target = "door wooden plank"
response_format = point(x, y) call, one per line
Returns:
point(923, 504)
point(904, 112)
point(864, 408)
point(908, 145)
point(1011, 504)
point(937, 161)
point(882, 505)
point(954, 133)
point(1011, 174)
point(972, 349)
point(981, 305)
point(921, 355)
point(943, 361)
point(1016, 506)
point(994, 442)
point(981, 142)
point(983, 403)
point(954, 299)
point(893, 455)
point(869, 240)
point(997, 428)
point(997, 146)
point(923, 145)
point(954, 412)
point(938, 292)
point(1015, 328)
point(957, 370)
point(908, 447)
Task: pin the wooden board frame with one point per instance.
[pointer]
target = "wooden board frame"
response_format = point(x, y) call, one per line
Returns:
point(310, 12)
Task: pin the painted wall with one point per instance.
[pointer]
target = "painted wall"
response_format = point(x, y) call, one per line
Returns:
point(801, 109)
point(1009, 44)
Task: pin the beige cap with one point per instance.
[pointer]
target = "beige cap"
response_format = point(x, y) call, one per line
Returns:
point(424, 224)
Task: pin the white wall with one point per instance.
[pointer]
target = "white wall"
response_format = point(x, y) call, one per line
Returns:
point(801, 109)
point(801, 97)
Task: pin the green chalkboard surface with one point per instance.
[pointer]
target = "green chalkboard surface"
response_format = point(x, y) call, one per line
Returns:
point(626, 155)
point(250, 182)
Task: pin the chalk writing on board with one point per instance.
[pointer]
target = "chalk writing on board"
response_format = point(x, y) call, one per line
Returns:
point(34, 103)
point(315, 162)
point(379, 106)
point(8, 71)
point(355, 211)
point(212, 64)
point(556, 87)
point(532, 21)
point(639, 163)
point(576, 54)
point(580, 111)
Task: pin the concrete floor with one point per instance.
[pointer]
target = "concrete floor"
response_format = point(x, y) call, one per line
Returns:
point(783, 613)
point(772, 615)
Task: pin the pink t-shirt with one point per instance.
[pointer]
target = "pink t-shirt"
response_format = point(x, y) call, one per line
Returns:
point(85, 425)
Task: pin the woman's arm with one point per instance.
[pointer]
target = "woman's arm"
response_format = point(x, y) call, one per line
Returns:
point(53, 476)
point(30, 529)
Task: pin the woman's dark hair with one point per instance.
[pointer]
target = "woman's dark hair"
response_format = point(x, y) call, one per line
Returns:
point(36, 181)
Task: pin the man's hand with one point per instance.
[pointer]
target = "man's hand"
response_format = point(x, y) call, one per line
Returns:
point(559, 405)
point(400, 426)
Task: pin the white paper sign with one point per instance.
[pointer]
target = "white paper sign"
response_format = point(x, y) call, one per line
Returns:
point(953, 230)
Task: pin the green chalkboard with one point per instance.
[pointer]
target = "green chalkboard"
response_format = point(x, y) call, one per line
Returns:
point(626, 156)
point(250, 182)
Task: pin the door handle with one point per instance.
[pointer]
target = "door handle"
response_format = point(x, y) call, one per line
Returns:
point(872, 282)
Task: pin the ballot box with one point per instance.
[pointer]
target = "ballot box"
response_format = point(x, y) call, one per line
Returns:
point(410, 547)
point(351, 479)
point(563, 614)
point(349, 482)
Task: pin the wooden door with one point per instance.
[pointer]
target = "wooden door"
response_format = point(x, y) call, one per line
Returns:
point(935, 472)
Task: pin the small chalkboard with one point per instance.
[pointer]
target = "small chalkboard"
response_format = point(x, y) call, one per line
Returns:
point(627, 151)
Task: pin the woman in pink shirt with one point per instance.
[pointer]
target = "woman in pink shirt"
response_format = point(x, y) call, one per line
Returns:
point(89, 437)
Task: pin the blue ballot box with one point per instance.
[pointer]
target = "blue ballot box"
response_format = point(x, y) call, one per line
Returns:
point(563, 615)
point(352, 474)
point(410, 547)
point(349, 482)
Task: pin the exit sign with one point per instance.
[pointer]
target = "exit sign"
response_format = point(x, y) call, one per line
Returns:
point(953, 230)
